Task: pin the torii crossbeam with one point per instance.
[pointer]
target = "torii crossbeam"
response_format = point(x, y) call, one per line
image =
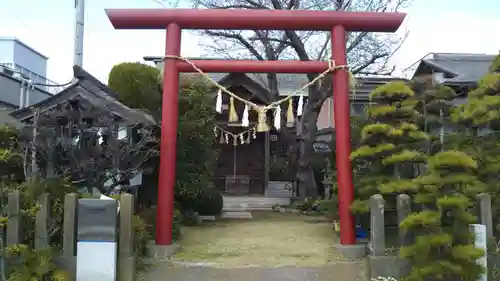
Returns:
point(174, 20)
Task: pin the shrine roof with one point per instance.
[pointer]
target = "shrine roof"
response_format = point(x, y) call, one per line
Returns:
point(90, 89)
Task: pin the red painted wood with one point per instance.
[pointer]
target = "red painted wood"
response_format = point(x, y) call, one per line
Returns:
point(168, 145)
point(176, 19)
point(254, 19)
point(255, 66)
point(340, 84)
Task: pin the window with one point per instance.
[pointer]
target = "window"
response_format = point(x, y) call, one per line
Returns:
point(358, 107)
point(278, 145)
point(122, 132)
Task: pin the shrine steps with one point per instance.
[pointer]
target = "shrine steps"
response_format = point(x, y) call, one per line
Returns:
point(236, 215)
point(279, 189)
point(247, 204)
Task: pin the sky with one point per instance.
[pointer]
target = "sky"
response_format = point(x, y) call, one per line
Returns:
point(451, 26)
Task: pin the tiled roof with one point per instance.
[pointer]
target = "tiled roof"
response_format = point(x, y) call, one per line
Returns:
point(289, 83)
point(94, 92)
point(464, 67)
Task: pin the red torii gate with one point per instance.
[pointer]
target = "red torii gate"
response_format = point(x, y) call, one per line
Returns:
point(174, 20)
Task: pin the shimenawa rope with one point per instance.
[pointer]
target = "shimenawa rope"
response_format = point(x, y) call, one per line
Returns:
point(261, 109)
point(235, 136)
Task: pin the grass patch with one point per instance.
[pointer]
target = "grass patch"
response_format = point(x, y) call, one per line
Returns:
point(269, 239)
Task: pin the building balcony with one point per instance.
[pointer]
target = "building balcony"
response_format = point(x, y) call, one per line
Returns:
point(44, 83)
point(10, 91)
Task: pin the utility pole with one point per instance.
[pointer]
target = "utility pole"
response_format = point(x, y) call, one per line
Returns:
point(79, 25)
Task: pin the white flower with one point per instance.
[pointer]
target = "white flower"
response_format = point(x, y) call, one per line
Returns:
point(380, 278)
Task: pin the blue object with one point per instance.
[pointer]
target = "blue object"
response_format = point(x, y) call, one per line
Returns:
point(360, 232)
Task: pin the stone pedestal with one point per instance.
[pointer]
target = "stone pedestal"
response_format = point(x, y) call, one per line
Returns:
point(162, 251)
point(357, 251)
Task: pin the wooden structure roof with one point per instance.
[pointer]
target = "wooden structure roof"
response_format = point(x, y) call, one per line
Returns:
point(95, 94)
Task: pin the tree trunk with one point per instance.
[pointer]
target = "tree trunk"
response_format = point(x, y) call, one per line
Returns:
point(306, 136)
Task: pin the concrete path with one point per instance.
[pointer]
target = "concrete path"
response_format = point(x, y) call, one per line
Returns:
point(341, 271)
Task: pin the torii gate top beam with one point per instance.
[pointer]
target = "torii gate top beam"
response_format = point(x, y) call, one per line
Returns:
point(254, 19)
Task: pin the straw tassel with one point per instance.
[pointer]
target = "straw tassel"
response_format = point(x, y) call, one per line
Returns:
point(262, 120)
point(225, 137)
point(300, 107)
point(277, 117)
point(233, 117)
point(244, 120)
point(289, 115)
point(218, 103)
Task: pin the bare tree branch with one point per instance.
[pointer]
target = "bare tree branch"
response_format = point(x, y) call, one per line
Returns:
point(240, 39)
point(324, 48)
point(84, 143)
point(369, 62)
point(367, 53)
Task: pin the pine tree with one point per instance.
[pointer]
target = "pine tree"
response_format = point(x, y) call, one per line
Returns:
point(444, 252)
point(434, 104)
point(444, 246)
point(495, 65)
point(478, 116)
point(391, 144)
point(483, 103)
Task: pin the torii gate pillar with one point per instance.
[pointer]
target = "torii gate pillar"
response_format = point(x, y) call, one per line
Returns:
point(174, 20)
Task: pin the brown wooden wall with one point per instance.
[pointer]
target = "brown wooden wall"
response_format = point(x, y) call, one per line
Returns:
point(243, 160)
point(282, 146)
point(249, 157)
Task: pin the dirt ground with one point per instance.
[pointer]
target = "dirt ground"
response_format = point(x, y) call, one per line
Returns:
point(268, 239)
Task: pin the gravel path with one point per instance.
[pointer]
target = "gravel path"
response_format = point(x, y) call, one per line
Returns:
point(269, 239)
point(271, 246)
